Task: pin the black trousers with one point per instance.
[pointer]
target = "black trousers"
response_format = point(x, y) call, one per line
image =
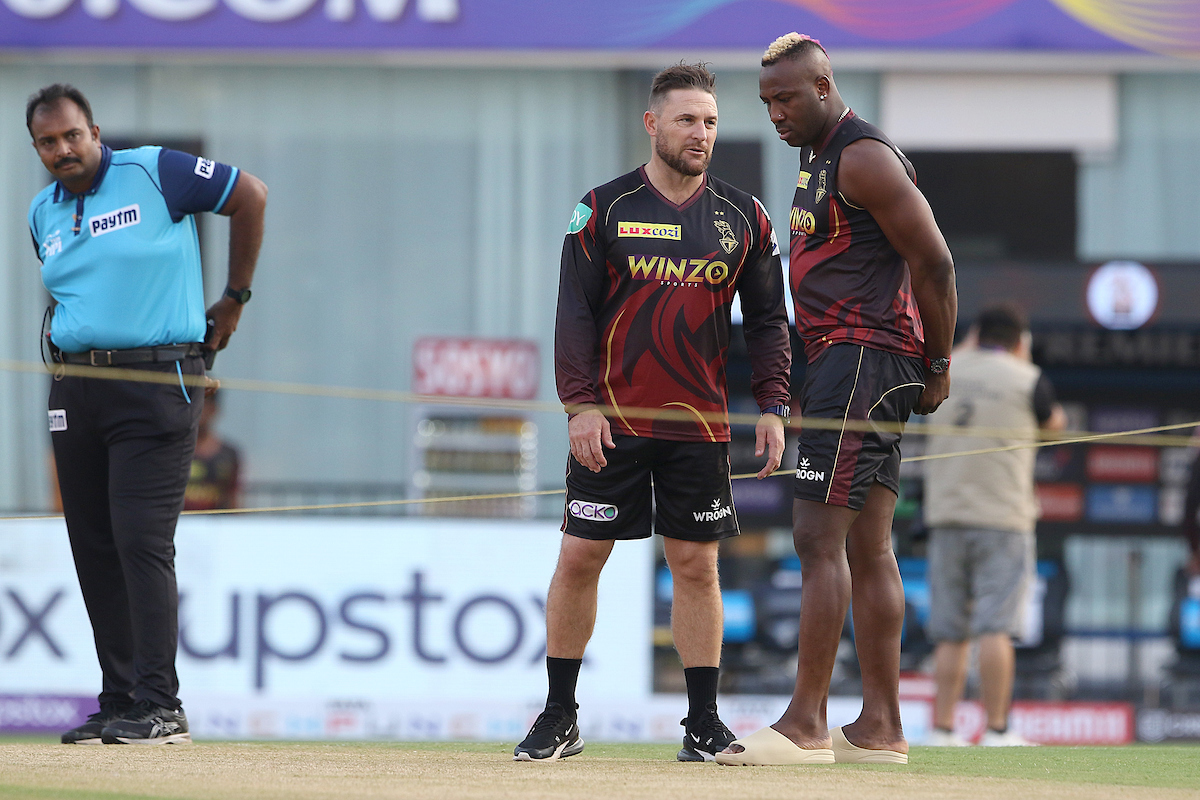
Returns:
point(123, 454)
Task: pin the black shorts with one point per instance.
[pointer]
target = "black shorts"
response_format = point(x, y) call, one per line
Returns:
point(682, 487)
point(852, 383)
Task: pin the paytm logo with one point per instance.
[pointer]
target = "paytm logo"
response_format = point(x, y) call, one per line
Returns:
point(594, 512)
point(115, 220)
point(649, 230)
point(204, 168)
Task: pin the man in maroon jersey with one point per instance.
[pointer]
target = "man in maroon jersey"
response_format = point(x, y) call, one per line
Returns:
point(873, 284)
point(650, 266)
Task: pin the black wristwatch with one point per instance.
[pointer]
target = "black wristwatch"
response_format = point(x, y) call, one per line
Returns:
point(241, 295)
point(937, 366)
point(779, 411)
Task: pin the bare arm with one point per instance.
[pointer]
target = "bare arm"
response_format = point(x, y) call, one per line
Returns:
point(1057, 420)
point(245, 208)
point(872, 177)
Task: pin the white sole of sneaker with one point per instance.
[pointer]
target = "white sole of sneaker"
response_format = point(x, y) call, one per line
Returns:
point(559, 753)
point(86, 741)
point(175, 738)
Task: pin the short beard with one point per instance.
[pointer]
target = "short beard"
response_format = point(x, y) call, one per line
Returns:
point(676, 162)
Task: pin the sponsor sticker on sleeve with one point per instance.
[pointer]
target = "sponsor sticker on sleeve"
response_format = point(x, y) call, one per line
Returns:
point(579, 218)
point(205, 167)
point(58, 419)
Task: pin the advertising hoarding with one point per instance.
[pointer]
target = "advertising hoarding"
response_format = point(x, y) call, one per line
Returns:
point(1046, 25)
point(332, 611)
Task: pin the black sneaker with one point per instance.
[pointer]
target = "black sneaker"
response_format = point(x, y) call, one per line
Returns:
point(705, 738)
point(554, 735)
point(89, 732)
point(148, 723)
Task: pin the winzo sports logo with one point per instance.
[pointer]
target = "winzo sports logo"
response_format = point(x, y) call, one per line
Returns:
point(806, 473)
point(718, 512)
point(594, 512)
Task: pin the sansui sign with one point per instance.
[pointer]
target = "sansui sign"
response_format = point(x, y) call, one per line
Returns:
point(497, 368)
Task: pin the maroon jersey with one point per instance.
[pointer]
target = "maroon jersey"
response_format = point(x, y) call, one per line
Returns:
point(848, 282)
point(643, 307)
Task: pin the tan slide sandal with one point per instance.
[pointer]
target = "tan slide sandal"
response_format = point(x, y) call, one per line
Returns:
point(768, 748)
point(846, 753)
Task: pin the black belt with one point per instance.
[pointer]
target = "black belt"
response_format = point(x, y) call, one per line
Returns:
point(136, 355)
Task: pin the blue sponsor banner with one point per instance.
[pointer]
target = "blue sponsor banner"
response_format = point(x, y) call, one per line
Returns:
point(1122, 504)
point(1165, 26)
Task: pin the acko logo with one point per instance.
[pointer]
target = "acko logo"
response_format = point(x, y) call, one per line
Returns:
point(803, 221)
point(649, 230)
point(806, 473)
point(594, 512)
point(115, 220)
point(681, 270)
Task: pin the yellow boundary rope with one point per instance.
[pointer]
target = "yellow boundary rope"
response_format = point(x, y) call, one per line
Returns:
point(1142, 436)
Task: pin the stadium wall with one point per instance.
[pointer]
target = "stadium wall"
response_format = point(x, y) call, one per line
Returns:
point(409, 201)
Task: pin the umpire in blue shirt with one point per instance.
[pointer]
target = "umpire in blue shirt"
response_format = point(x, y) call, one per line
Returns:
point(117, 242)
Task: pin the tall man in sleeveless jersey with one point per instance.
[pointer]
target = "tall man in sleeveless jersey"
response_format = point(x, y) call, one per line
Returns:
point(873, 284)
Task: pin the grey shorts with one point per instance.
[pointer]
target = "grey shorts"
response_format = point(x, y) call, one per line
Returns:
point(978, 581)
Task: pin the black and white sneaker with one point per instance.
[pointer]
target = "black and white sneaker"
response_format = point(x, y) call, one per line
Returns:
point(705, 738)
point(89, 732)
point(148, 723)
point(554, 735)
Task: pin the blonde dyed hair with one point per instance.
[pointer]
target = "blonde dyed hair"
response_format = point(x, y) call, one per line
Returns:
point(790, 45)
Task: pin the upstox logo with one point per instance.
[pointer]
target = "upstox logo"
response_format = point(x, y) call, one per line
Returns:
point(594, 512)
point(806, 473)
point(649, 230)
point(115, 220)
point(803, 221)
point(678, 270)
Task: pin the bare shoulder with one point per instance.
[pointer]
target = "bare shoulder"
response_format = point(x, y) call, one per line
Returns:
point(869, 171)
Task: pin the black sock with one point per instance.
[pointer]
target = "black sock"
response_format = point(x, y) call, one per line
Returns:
point(563, 674)
point(701, 690)
point(998, 730)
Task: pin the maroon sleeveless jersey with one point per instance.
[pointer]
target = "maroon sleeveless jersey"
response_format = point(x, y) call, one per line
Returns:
point(848, 283)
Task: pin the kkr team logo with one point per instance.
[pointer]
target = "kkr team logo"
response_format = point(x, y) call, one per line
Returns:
point(821, 186)
point(806, 473)
point(728, 241)
point(593, 512)
point(693, 271)
point(649, 230)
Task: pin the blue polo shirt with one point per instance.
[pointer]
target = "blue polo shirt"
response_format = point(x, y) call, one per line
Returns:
point(122, 260)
